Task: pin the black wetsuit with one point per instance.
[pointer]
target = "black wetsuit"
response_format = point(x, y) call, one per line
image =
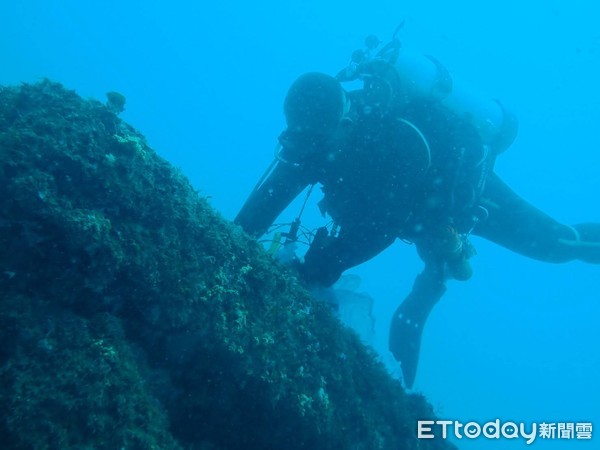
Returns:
point(517, 225)
point(380, 182)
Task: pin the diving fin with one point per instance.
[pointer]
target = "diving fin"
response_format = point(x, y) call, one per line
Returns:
point(409, 319)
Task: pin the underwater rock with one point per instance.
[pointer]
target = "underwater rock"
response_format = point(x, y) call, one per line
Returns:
point(133, 316)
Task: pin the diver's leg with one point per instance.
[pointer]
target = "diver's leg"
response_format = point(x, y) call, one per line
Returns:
point(586, 245)
point(329, 257)
point(519, 226)
point(410, 317)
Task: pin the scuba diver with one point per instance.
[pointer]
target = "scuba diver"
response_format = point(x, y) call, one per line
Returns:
point(410, 156)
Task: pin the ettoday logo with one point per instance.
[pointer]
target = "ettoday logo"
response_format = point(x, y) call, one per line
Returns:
point(431, 429)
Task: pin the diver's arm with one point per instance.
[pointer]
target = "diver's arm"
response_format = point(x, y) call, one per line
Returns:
point(271, 197)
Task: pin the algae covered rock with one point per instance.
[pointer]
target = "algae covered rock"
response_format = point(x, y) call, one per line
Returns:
point(133, 316)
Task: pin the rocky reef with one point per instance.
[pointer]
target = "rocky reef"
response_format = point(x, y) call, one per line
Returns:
point(133, 316)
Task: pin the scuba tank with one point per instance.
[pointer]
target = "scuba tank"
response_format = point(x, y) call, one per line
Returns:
point(404, 75)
